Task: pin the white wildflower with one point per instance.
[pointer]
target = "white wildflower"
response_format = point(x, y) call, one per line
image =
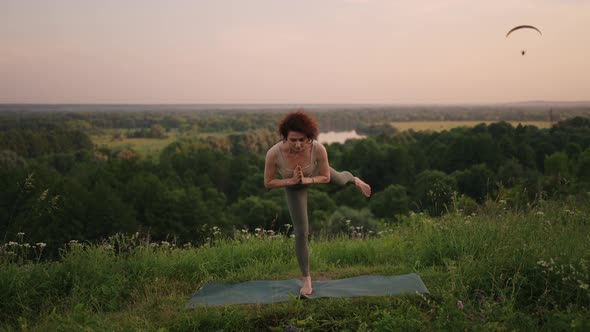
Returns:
point(460, 305)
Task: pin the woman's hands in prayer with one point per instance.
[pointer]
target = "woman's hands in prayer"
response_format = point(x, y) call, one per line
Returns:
point(299, 177)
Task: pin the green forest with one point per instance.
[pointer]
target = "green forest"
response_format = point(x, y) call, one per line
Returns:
point(57, 186)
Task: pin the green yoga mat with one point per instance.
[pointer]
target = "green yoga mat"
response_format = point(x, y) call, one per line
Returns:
point(273, 291)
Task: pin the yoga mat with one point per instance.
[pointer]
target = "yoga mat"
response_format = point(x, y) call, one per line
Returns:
point(273, 291)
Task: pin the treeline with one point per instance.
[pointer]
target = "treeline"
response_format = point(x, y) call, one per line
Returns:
point(74, 192)
point(94, 122)
point(30, 143)
point(212, 118)
point(421, 171)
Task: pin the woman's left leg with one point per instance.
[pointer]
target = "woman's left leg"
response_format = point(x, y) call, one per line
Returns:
point(345, 177)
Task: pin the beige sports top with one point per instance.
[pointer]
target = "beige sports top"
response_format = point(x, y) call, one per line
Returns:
point(308, 170)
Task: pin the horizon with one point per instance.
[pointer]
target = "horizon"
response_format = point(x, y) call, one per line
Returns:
point(361, 52)
point(288, 104)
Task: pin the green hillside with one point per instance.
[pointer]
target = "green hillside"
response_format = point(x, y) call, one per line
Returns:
point(510, 270)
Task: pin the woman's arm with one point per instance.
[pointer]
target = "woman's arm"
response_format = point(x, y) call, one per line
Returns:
point(323, 168)
point(270, 169)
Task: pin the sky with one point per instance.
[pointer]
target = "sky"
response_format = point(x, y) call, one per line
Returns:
point(293, 51)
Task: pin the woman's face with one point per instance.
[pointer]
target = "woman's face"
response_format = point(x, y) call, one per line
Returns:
point(297, 141)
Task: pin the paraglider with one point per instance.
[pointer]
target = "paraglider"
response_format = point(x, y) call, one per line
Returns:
point(523, 27)
point(523, 52)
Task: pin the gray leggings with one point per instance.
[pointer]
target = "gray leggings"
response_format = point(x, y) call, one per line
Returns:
point(297, 203)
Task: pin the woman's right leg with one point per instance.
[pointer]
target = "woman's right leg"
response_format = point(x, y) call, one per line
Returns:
point(297, 203)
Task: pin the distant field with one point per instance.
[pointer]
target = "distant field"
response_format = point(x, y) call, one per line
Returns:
point(446, 125)
point(145, 146)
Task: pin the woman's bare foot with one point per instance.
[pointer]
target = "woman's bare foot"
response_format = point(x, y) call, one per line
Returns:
point(362, 186)
point(306, 289)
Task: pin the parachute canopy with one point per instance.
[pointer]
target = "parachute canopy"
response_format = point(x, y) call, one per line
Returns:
point(522, 27)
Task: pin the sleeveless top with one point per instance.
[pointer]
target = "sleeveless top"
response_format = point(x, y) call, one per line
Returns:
point(308, 170)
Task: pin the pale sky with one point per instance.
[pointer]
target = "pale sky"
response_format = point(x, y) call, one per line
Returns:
point(293, 51)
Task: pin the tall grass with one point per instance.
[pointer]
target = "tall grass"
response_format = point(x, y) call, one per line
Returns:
point(495, 270)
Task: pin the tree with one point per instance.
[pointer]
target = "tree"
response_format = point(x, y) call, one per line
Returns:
point(10, 160)
point(433, 191)
point(476, 182)
point(582, 170)
point(468, 150)
point(349, 196)
point(393, 201)
point(319, 201)
point(346, 220)
point(526, 155)
point(510, 173)
point(501, 129)
point(557, 164)
point(255, 212)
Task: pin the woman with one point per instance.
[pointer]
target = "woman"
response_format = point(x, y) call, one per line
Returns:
point(302, 161)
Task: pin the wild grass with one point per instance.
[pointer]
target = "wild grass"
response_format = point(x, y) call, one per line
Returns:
point(495, 270)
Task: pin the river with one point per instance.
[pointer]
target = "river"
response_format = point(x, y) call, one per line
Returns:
point(338, 136)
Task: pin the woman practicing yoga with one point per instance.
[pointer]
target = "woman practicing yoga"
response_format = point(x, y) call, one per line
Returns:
point(302, 161)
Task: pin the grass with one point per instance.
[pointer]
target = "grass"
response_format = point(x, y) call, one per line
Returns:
point(447, 125)
point(510, 270)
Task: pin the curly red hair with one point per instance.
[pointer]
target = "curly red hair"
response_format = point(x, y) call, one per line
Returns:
point(299, 121)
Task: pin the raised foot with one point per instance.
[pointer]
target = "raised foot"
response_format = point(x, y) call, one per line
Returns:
point(363, 187)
